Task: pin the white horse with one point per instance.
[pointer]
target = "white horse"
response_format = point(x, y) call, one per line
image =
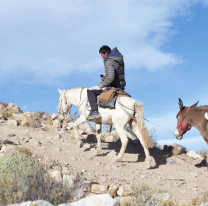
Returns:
point(117, 117)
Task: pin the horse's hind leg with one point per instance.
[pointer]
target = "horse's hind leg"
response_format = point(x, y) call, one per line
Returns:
point(124, 140)
point(149, 159)
point(98, 136)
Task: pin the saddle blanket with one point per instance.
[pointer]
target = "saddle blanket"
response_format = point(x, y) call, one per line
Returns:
point(108, 98)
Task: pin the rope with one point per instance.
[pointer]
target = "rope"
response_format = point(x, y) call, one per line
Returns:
point(134, 118)
point(131, 116)
point(159, 126)
point(71, 117)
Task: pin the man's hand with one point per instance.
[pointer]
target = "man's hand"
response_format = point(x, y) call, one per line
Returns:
point(100, 85)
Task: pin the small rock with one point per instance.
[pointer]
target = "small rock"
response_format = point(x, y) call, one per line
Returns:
point(69, 180)
point(11, 122)
point(10, 135)
point(112, 190)
point(122, 191)
point(35, 142)
point(194, 155)
point(99, 189)
point(56, 175)
point(58, 136)
point(73, 158)
point(54, 116)
point(143, 176)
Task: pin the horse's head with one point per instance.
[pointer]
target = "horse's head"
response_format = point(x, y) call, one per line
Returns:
point(183, 121)
point(64, 105)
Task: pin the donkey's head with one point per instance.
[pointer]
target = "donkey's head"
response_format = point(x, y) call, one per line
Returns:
point(64, 105)
point(183, 121)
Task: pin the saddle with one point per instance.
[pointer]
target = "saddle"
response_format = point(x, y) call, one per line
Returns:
point(108, 97)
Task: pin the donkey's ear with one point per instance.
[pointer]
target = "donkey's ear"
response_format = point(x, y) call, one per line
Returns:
point(180, 104)
point(194, 105)
point(60, 92)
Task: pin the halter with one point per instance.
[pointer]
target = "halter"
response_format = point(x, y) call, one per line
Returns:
point(65, 100)
point(181, 125)
point(60, 104)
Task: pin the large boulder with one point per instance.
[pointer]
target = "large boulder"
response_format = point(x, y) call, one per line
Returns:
point(33, 203)
point(11, 122)
point(96, 200)
point(13, 107)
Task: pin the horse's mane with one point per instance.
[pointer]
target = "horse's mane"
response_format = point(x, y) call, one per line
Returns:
point(76, 89)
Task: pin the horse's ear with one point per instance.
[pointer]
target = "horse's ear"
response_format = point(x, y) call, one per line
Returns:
point(194, 105)
point(60, 92)
point(180, 104)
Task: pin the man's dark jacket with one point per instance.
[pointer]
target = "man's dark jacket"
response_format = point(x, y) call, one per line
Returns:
point(114, 69)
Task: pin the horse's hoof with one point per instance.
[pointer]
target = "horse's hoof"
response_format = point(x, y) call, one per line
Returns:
point(97, 153)
point(116, 159)
point(80, 144)
point(150, 163)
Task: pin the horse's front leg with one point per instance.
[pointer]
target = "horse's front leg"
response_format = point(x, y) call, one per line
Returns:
point(98, 136)
point(79, 121)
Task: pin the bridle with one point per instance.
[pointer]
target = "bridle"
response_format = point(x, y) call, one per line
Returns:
point(60, 108)
point(181, 125)
point(65, 100)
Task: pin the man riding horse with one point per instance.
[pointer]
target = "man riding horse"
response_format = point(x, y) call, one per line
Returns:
point(114, 77)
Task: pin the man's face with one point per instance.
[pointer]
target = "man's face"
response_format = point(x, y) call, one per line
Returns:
point(104, 55)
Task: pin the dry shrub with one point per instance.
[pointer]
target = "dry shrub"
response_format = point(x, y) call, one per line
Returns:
point(23, 179)
point(202, 152)
point(49, 121)
point(7, 113)
point(176, 151)
point(173, 202)
point(24, 151)
point(4, 103)
point(142, 195)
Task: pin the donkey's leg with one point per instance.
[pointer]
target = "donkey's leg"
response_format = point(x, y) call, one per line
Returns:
point(80, 120)
point(98, 136)
point(149, 159)
point(124, 140)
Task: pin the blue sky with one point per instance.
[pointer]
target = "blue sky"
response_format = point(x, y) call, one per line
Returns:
point(46, 45)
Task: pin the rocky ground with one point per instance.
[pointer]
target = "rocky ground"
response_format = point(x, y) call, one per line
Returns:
point(181, 176)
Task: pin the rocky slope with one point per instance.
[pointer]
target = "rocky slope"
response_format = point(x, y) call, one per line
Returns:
point(182, 176)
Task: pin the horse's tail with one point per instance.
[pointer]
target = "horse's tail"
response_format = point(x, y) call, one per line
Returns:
point(140, 122)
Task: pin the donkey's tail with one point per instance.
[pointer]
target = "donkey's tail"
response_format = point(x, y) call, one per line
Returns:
point(140, 122)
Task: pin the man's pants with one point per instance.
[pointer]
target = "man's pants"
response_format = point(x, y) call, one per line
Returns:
point(92, 94)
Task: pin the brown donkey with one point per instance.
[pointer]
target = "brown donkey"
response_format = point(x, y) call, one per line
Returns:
point(192, 116)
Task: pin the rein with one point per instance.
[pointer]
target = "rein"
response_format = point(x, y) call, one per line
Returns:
point(72, 117)
point(181, 125)
point(134, 118)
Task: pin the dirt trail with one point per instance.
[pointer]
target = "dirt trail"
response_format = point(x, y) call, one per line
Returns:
point(178, 175)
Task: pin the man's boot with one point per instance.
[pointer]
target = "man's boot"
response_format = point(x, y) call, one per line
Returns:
point(94, 115)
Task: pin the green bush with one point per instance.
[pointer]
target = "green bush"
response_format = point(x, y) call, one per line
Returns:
point(23, 179)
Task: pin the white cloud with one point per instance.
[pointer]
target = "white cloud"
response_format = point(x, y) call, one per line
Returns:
point(50, 39)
